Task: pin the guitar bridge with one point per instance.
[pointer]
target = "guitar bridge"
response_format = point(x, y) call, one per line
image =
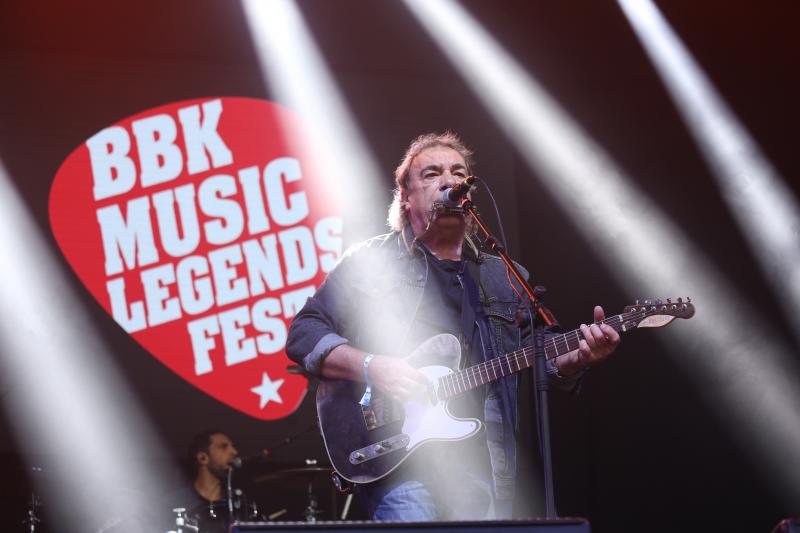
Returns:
point(378, 449)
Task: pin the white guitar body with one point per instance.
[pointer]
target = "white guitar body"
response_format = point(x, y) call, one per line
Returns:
point(431, 422)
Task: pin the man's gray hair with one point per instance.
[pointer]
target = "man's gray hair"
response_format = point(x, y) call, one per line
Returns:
point(398, 218)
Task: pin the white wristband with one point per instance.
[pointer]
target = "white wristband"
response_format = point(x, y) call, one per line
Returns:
point(367, 360)
point(365, 399)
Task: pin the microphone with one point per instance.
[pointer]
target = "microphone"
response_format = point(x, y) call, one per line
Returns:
point(239, 462)
point(451, 196)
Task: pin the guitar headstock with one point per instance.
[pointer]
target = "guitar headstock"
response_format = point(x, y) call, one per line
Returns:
point(656, 313)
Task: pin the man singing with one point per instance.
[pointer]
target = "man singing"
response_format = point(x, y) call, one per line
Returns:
point(392, 292)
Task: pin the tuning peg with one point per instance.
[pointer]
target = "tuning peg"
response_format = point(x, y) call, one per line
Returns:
point(637, 301)
point(669, 300)
point(648, 302)
point(689, 299)
point(658, 301)
point(680, 300)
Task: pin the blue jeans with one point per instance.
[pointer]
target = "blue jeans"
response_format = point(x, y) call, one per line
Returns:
point(463, 498)
point(409, 501)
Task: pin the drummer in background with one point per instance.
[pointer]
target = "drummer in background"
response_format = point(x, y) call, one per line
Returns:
point(212, 453)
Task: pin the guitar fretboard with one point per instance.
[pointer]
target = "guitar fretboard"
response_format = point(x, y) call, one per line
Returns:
point(470, 378)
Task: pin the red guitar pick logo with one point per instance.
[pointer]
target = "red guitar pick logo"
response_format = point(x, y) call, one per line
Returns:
point(202, 227)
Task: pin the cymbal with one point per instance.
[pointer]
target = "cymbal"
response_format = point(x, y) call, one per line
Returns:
point(304, 474)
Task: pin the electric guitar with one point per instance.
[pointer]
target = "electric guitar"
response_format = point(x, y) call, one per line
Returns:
point(365, 443)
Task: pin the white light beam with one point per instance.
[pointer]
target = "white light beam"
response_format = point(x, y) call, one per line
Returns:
point(759, 200)
point(66, 402)
point(294, 69)
point(734, 357)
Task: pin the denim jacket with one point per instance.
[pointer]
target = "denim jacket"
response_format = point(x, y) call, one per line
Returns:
point(370, 300)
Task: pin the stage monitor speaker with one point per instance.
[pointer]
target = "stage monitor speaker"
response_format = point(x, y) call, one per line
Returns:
point(559, 525)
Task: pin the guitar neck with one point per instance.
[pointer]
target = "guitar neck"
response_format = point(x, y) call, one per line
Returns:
point(473, 377)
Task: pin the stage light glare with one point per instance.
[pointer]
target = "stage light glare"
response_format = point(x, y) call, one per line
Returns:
point(726, 348)
point(71, 412)
point(296, 73)
point(765, 208)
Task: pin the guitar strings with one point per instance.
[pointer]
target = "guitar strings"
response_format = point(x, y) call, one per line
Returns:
point(458, 382)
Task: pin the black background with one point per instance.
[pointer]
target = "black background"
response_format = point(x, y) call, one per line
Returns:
point(639, 446)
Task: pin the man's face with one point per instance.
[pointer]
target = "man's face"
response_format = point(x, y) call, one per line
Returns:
point(432, 171)
point(221, 453)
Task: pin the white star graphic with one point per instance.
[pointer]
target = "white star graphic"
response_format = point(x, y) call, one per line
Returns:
point(268, 390)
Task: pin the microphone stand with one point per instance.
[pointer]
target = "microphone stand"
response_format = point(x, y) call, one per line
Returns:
point(540, 369)
point(230, 495)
